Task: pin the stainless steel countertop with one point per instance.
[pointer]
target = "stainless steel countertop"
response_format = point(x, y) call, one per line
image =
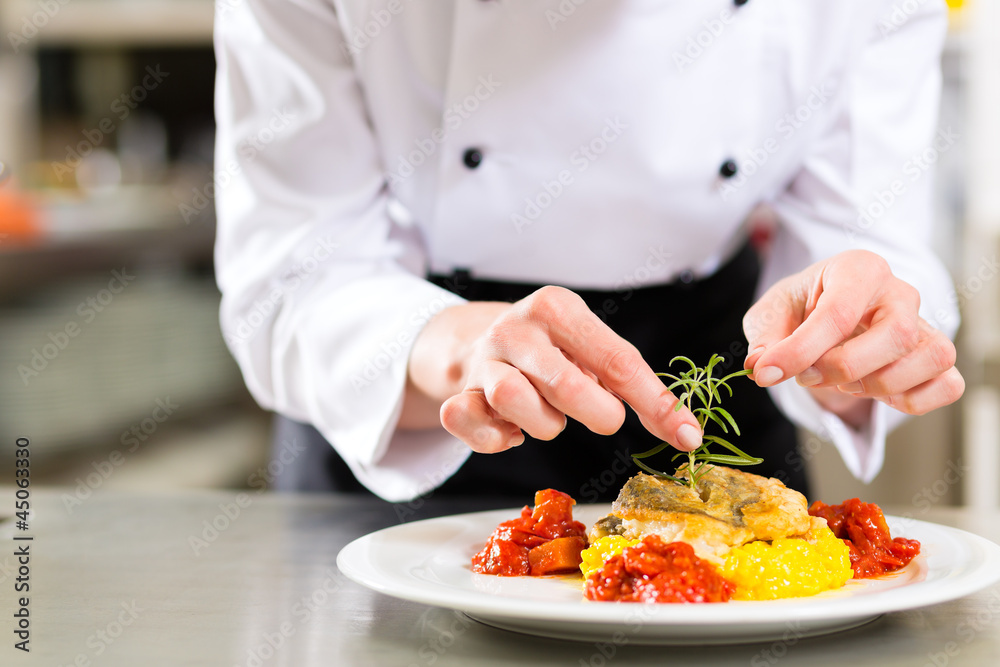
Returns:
point(120, 579)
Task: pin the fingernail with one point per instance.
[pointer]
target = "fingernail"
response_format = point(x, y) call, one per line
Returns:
point(851, 388)
point(809, 377)
point(517, 440)
point(689, 437)
point(768, 375)
point(755, 350)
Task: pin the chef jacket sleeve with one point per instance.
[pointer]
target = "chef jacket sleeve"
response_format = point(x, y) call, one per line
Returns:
point(866, 182)
point(321, 299)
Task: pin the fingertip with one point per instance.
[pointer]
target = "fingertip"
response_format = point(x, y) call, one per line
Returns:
point(753, 356)
point(604, 415)
point(449, 414)
point(549, 433)
point(768, 376)
point(489, 440)
point(613, 423)
point(688, 437)
point(465, 417)
point(810, 377)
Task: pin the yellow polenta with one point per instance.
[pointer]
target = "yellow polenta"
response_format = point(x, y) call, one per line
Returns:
point(601, 550)
point(785, 568)
point(788, 567)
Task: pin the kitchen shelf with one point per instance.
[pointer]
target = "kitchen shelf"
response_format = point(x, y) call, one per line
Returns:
point(114, 22)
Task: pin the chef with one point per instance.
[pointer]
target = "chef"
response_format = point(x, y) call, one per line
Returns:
point(456, 239)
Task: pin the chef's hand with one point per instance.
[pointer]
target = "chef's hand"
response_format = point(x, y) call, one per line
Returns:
point(494, 371)
point(849, 330)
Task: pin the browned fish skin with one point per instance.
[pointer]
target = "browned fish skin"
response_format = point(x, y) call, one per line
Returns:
point(646, 497)
point(731, 508)
point(609, 525)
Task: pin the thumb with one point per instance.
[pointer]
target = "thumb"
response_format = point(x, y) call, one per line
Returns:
point(769, 321)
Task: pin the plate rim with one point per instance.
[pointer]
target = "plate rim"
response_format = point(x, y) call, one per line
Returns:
point(808, 609)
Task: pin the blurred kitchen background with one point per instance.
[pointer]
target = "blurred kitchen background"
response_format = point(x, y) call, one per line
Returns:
point(111, 359)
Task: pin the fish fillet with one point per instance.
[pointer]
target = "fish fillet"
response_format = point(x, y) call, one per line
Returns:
point(729, 509)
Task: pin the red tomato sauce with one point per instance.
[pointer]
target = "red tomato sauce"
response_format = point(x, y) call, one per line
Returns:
point(543, 540)
point(654, 571)
point(862, 526)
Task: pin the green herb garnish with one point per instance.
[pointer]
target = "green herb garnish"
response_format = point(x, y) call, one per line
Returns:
point(699, 384)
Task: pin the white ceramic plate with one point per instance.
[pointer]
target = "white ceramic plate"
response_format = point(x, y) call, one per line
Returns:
point(429, 562)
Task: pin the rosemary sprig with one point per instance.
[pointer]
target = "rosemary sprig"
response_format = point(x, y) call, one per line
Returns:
point(698, 384)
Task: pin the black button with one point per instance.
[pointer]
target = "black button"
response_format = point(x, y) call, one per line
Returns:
point(728, 169)
point(740, 3)
point(472, 158)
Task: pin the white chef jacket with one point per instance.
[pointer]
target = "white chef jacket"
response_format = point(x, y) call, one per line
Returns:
point(347, 167)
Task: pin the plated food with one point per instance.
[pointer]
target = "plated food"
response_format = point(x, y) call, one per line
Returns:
point(543, 540)
point(873, 551)
point(706, 533)
point(738, 536)
point(756, 532)
point(428, 562)
point(713, 535)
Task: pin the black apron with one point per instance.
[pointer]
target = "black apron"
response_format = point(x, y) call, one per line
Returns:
point(693, 318)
